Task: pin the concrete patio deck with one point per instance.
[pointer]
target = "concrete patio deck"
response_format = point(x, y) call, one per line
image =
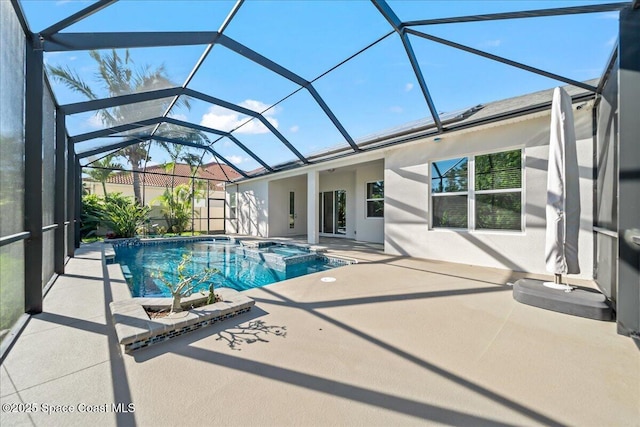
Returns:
point(393, 341)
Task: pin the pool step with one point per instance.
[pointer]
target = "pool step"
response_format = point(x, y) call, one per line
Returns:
point(109, 253)
point(126, 272)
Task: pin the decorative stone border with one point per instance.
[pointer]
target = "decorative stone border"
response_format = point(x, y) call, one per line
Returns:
point(135, 330)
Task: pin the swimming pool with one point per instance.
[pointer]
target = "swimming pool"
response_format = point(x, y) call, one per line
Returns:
point(239, 267)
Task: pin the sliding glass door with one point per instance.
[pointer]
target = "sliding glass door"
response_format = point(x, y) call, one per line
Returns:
point(326, 213)
point(333, 213)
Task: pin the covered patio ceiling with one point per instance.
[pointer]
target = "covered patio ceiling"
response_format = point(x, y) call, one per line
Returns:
point(269, 86)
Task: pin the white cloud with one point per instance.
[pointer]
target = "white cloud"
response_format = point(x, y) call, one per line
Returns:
point(491, 43)
point(94, 122)
point(227, 120)
point(408, 87)
point(257, 106)
point(236, 160)
point(294, 128)
point(396, 109)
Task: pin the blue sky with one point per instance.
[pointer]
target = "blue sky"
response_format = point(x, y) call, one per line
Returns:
point(372, 92)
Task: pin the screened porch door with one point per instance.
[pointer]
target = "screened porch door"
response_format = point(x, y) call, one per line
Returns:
point(333, 213)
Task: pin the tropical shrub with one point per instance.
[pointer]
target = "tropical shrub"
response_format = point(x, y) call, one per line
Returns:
point(91, 216)
point(123, 216)
point(117, 199)
point(176, 207)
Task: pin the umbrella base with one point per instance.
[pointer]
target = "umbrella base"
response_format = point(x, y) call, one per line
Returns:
point(559, 286)
point(581, 302)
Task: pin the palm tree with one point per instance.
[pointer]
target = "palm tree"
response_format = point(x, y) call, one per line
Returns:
point(174, 151)
point(197, 186)
point(117, 76)
point(180, 152)
point(195, 162)
point(102, 169)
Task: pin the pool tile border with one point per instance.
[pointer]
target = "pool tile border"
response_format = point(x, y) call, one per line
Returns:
point(140, 241)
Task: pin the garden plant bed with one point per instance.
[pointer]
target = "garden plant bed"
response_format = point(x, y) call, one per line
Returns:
point(155, 312)
point(135, 329)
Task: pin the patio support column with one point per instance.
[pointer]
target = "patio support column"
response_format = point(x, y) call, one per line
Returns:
point(71, 199)
point(78, 202)
point(60, 198)
point(313, 188)
point(33, 176)
point(628, 297)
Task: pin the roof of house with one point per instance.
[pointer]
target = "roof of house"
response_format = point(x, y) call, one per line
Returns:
point(510, 106)
point(159, 176)
point(499, 110)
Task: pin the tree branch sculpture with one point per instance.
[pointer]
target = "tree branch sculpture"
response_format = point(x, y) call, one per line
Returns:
point(186, 283)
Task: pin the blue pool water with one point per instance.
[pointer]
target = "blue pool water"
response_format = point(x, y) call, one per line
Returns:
point(237, 270)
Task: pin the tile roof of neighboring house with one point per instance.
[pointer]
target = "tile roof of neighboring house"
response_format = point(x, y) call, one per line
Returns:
point(157, 175)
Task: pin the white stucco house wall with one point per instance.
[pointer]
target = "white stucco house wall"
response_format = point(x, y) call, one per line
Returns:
point(292, 203)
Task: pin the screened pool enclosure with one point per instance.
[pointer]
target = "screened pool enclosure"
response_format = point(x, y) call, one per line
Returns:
point(144, 97)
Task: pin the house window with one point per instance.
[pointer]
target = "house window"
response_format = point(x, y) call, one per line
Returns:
point(498, 191)
point(449, 191)
point(375, 199)
point(478, 193)
point(292, 209)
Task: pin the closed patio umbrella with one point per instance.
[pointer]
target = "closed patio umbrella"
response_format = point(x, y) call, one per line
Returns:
point(563, 194)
